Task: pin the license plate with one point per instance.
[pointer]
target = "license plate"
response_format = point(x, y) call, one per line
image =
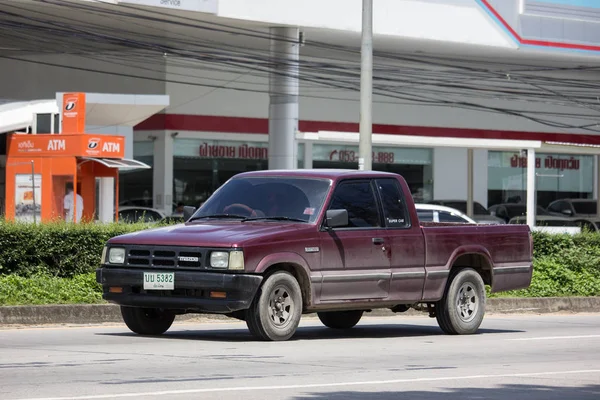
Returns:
point(159, 280)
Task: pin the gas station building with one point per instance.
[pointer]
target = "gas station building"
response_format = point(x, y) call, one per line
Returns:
point(484, 99)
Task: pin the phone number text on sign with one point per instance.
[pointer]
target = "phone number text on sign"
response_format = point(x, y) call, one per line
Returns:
point(352, 156)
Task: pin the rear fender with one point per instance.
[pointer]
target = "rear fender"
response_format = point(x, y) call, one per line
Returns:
point(437, 276)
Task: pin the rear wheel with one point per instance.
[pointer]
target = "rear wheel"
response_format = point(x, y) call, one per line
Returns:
point(461, 310)
point(276, 310)
point(147, 321)
point(340, 319)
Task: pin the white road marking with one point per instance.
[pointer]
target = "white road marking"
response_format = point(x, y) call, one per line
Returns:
point(312, 385)
point(556, 337)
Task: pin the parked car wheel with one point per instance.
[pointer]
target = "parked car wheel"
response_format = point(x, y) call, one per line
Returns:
point(147, 321)
point(461, 310)
point(340, 319)
point(277, 308)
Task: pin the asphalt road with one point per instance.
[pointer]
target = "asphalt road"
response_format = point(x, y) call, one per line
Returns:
point(513, 357)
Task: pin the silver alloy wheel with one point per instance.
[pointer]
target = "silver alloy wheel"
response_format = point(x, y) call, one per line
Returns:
point(467, 302)
point(281, 306)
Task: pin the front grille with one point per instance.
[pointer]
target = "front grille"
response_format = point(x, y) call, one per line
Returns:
point(167, 257)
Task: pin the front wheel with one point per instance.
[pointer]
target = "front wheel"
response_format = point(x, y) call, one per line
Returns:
point(461, 310)
point(277, 308)
point(147, 321)
point(340, 319)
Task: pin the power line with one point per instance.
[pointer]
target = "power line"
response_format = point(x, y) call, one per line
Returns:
point(409, 79)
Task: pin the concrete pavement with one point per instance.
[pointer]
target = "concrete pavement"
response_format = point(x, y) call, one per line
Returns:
point(100, 313)
point(404, 357)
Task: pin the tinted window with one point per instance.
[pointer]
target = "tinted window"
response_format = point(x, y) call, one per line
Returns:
point(447, 217)
point(394, 207)
point(461, 206)
point(585, 207)
point(517, 210)
point(425, 215)
point(556, 207)
point(359, 199)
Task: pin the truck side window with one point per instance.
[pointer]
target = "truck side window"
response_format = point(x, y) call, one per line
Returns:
point(359, 199)
point(394, 207)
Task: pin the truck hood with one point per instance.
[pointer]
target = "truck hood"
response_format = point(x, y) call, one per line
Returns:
point(211, 234)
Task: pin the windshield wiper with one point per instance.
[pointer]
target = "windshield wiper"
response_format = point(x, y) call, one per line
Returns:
point(274, 218)
point(217, 216)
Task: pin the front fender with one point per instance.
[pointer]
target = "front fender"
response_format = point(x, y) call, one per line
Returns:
point(300, 265)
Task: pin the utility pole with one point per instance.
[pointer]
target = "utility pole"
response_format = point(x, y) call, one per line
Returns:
point(365, 159)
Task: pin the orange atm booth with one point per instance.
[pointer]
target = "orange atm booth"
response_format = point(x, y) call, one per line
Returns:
point(42, 168)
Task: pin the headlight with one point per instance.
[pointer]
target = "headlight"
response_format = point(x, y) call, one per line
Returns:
point(233, 260)
point(219, 259)
point(116, 255)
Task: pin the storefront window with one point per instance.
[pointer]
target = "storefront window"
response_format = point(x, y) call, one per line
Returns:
point(202, 166)
point(135, 187)
point(558, 176)
point(414, 164)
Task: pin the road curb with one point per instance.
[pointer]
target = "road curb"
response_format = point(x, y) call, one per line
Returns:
point(106, 313)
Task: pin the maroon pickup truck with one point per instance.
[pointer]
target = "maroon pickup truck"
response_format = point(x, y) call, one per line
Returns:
point(269, 246)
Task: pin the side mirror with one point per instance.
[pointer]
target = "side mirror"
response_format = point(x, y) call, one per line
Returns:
point(336, 218)
point(567, 212)
point(188, 211)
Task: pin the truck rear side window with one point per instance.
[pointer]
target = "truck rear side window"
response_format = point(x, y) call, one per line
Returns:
point(358, 199)
point(394, 207)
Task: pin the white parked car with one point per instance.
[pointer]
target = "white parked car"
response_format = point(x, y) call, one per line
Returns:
point(436, 213)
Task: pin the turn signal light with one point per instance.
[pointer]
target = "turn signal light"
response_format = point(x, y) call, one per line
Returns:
point(218, 295)
point(115, 289)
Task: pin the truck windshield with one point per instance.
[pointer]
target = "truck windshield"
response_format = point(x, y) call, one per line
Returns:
point(280, 198)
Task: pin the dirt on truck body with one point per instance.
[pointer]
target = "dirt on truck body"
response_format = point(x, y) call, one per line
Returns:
point(269, 246)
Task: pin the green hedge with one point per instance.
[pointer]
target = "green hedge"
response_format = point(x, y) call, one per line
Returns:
point(564, 265)
point(54, 263)
point(59, 249)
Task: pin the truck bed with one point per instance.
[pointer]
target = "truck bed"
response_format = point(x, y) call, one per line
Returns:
point(509, 246)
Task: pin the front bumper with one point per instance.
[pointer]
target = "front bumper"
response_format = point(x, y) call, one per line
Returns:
point(191, 293)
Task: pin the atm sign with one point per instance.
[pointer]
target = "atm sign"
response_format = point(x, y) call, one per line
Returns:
point(104, 147)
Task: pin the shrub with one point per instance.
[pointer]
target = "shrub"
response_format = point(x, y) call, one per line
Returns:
point(30, 254)
point(58, 249)
point(42, 288)
point(552, 278)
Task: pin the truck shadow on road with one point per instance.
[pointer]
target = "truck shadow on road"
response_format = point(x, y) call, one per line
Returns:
point(371, 331)
point(502, 392)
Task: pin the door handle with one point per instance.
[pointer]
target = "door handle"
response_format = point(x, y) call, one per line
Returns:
point(378, 241)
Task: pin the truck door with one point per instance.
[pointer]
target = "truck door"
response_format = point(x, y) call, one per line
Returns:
point(407, 243)
point(355, 259)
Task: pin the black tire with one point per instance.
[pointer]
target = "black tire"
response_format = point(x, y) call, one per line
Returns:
point(276, 310)
point(462, 308)
point(147, 321)
point(340, 319)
